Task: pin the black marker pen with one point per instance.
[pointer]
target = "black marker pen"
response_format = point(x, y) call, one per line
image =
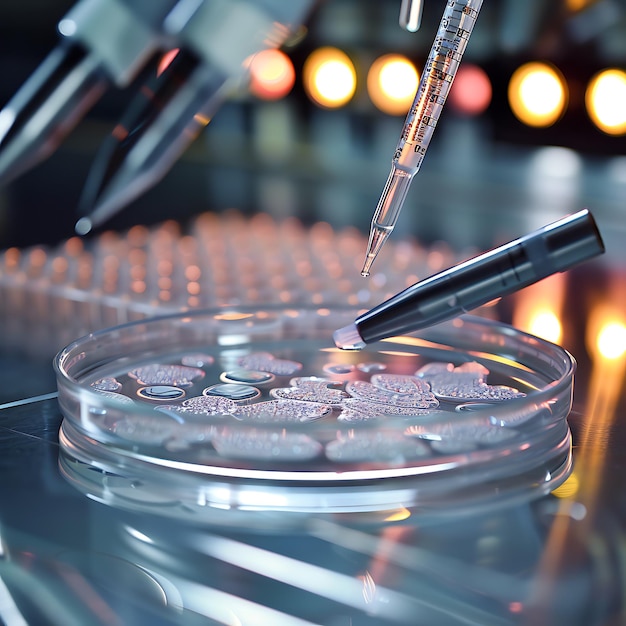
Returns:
point(499, 272)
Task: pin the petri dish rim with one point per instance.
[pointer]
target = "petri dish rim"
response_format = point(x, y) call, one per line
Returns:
point(97, 352)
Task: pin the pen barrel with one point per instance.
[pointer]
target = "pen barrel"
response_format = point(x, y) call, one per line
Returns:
point(499, 272)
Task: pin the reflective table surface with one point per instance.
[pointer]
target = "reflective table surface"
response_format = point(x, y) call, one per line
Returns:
point(67, 559)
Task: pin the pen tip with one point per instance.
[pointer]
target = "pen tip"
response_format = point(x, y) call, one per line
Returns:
point(348, 338)
point(83, 226)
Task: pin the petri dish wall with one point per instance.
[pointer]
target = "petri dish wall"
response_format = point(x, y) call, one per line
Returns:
point(239, 409)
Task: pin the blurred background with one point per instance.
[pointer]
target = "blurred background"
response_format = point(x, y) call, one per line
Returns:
point(272, 203)
point(533, 128)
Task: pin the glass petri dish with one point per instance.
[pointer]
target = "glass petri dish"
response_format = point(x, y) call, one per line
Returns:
point(255, 410)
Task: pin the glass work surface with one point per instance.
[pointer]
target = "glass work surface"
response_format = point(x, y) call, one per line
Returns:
point(258, 411)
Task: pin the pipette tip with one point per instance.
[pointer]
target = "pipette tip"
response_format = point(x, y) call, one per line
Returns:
point(378, 236)
point(369, 259)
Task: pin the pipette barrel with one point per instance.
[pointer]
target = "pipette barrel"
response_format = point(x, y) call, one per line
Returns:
point(455, 28)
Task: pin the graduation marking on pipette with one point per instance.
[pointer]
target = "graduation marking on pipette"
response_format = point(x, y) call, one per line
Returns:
point(443, 61)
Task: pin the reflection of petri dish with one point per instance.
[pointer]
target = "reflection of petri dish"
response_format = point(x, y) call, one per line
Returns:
point(322, 433)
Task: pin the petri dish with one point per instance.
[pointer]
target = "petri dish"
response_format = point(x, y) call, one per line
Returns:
point(238, 409)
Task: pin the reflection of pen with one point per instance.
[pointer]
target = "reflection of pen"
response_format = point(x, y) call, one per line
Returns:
point(499, 272)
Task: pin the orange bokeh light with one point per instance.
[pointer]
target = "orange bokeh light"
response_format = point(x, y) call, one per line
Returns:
point(538, 94)
point(272, 75)
point(329, 77)
point(391, 83)
point(605, 100)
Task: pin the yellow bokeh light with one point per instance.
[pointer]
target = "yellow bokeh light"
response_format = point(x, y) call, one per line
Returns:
point(546, 324)
point(398, 516)
point(391, 84)
point(611, 340)
point(578, 5)
point(537, 94)
point(538, 308)
point(329, 77)
point(605, 100)
point(569, 488)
